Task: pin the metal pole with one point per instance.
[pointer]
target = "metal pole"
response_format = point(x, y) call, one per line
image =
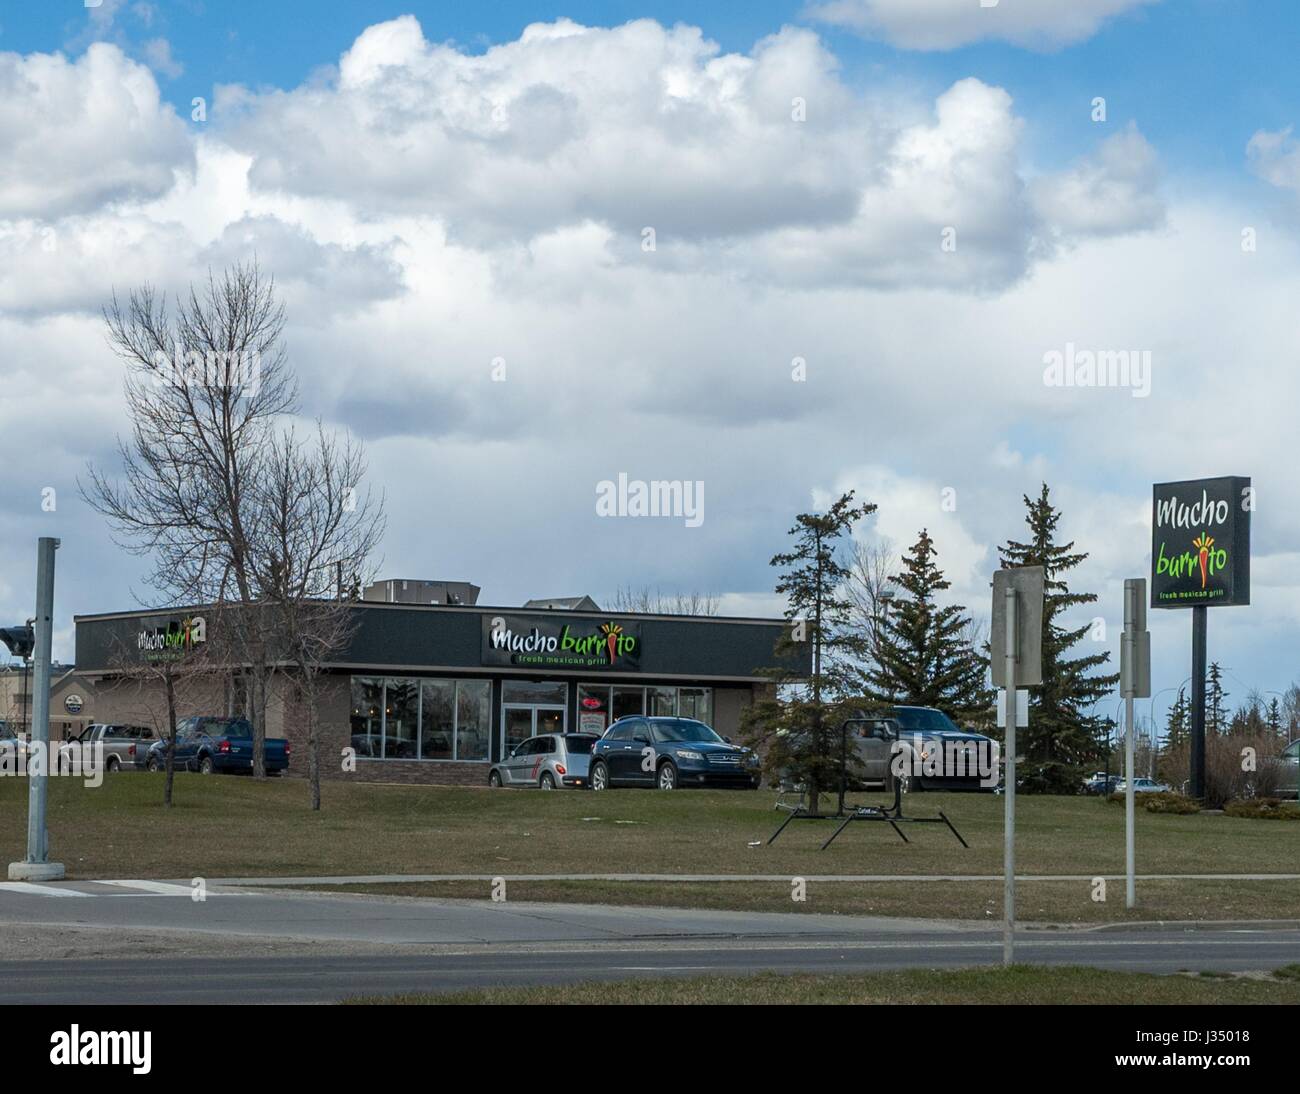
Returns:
point(1198, 701)
point(1130, 659)
point(1009, 779)
point(36, 866)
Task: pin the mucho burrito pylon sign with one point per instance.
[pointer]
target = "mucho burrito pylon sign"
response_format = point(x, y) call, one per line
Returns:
point(1200, 542)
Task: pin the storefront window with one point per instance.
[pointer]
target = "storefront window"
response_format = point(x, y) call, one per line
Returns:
point(696, 703)
point(437, 719)
point(628, 701)
point(473, 719)
point(367, 715)
point(593, 708)
point(663, 701)
point(401, 719)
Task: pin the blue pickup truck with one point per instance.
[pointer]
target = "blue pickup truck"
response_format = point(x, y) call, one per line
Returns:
point(213, 746)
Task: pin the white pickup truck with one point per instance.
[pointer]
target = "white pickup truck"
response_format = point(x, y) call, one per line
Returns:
point(124, 746)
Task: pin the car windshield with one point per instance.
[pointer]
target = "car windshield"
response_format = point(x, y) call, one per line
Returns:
point(226, 727)
point(922, 719)
point(579, 742)
point(683, 729)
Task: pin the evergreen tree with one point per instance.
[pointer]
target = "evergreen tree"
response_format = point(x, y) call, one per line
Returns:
point(1274, 719)
point(1061, 736)
point(923, 655)
point(1216, 708)
point(1177, 727)
point(798, 723)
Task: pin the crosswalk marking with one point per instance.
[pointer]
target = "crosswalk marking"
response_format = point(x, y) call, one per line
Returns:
point(32, 889)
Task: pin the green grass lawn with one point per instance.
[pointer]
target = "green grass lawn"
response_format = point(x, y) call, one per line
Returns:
point(1018, 984)
point(227, 826)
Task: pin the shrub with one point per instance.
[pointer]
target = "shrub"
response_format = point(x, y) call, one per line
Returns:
point(1163, 802)
point(1224, 777)
point(1262, 809)
point(1170, 803)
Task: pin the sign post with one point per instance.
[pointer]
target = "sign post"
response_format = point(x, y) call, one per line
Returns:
point(1134, 683)
point(1200, 557)
point(1016, 658)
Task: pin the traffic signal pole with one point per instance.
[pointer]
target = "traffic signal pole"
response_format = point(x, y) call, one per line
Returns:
point(37, 867)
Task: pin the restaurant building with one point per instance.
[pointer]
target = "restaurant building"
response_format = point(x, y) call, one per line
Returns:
point(435, 692)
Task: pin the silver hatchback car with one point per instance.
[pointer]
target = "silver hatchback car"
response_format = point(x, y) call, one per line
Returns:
point(549, 761)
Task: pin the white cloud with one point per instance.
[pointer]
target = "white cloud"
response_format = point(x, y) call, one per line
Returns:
point(158, 52)
point(948, 24)
point(1114, 191)
point(764, 165)
point(78, 134)
point(1275, 157)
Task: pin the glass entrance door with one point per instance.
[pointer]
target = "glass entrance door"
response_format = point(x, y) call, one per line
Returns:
point(519, 721)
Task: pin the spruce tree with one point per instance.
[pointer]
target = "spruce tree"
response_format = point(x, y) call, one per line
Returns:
point(1062, 736)
point(923, 655)
point(1177, 731)
point(1274, 719)
point(797, 724)
point(1216, 708)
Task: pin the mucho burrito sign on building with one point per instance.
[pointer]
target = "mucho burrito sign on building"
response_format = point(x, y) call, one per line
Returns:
point(1200, 542)
point(535, 642)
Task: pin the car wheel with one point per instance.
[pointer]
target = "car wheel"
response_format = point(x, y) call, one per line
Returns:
point(599, 776)
point(114, 763)
point(153, 765)
point(667, 776)
point(494, 780)
point(547, 781)
point(206, 766)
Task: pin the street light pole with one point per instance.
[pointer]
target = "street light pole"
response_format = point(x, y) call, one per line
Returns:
point(37, 867)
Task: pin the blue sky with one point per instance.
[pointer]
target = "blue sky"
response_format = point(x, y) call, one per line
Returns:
point(416, 245)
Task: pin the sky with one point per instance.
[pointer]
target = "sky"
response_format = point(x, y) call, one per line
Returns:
point(781, 250)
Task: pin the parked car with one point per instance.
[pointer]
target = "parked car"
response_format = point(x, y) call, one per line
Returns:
point(1101, 783)
point(212, 745)
point(548, 761)
point(1287, 767)
point(13, 746)
point(124, 746)
point(668, 753)
point(1143, 786)
point(916, 733)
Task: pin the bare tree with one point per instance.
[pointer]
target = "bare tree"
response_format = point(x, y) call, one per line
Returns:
point(161, 684)
point(869, 589)
point(205, 384)
point(314, 526)
point(656, 602)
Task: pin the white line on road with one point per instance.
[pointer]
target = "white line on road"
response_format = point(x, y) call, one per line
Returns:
point(165, 888)
point(32, 889)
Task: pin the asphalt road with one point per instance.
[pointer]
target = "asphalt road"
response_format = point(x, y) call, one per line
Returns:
point(434, 945)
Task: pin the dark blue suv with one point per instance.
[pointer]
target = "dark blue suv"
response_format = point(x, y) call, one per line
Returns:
point(668, 753)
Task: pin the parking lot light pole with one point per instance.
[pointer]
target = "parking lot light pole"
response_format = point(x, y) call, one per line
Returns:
point(37, 867)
